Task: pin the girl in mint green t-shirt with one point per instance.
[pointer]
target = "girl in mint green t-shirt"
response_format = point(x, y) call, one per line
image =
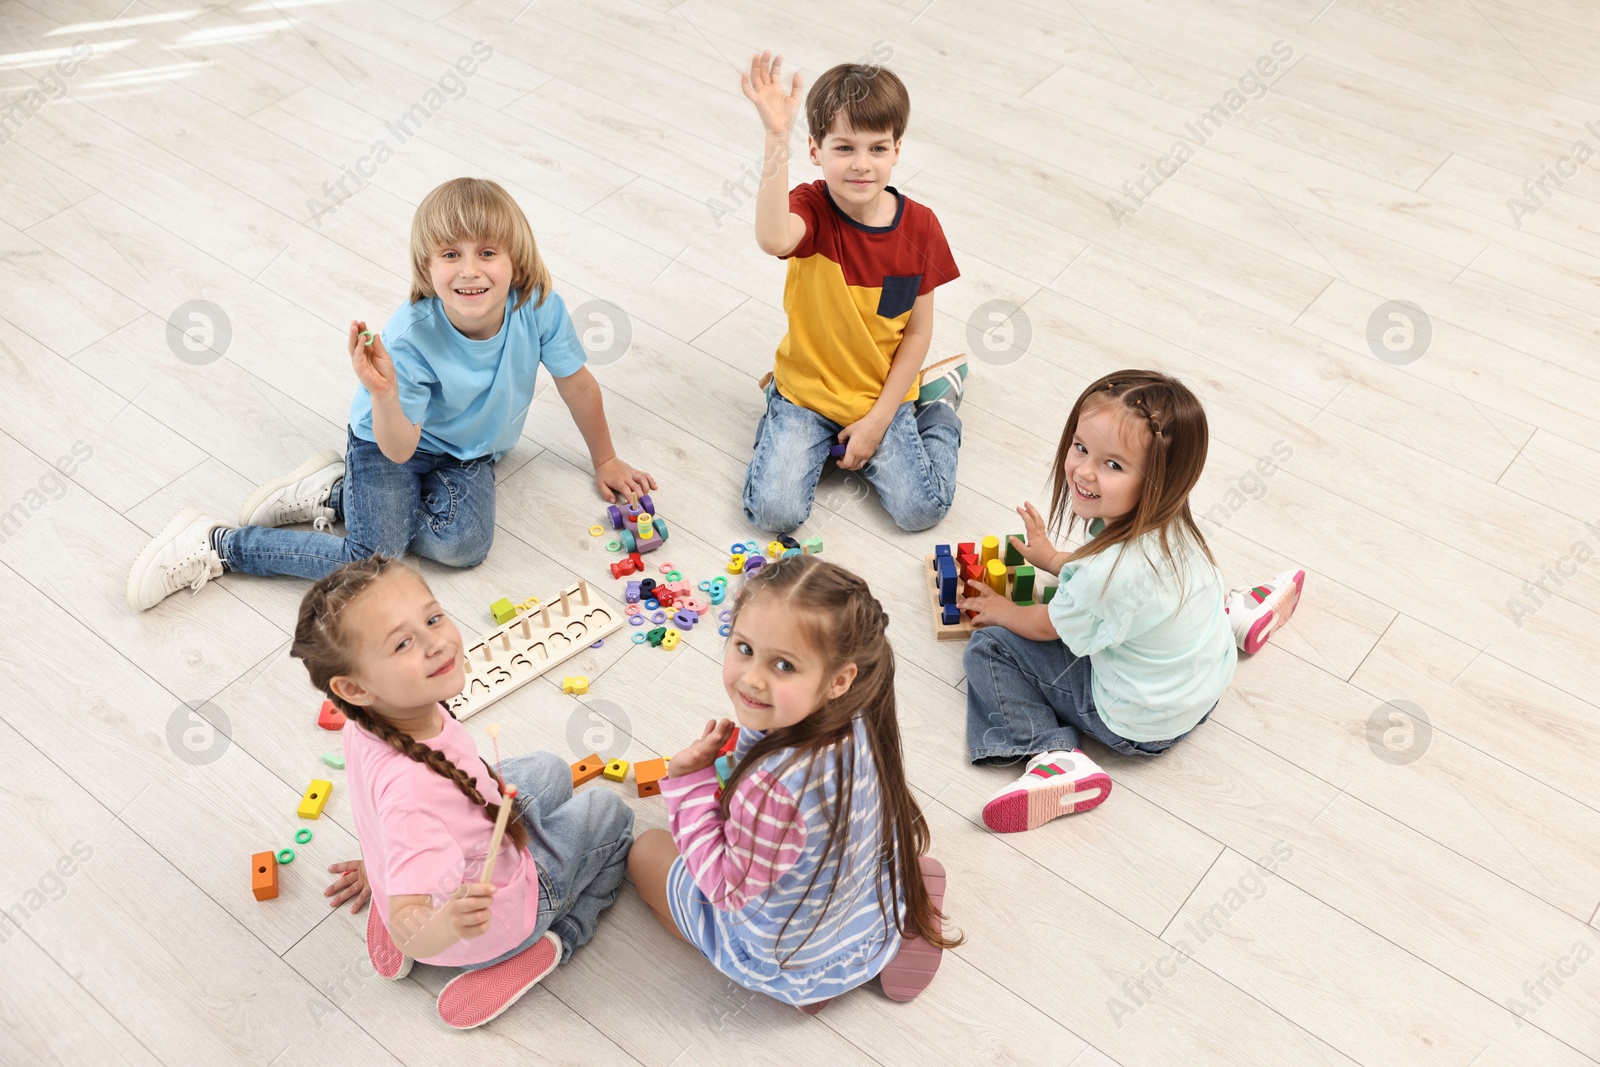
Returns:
point(1138, 640)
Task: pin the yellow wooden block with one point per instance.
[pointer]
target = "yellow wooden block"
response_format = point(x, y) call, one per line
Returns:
point(316, 796)
point(576, 686)
point(617, 770)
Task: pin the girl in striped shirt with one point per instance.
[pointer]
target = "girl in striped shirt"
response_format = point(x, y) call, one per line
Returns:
point(802, 875)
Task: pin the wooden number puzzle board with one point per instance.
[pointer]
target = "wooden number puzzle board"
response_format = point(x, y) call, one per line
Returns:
point(532, 642)
point(964, 629)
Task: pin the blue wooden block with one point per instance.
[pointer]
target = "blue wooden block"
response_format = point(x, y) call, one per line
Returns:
point(941, 550)
point(952, 615)
point(836, 451)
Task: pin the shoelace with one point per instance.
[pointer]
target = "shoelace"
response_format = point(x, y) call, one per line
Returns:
point(300, 510)
point(193, 571)
point(321, 522)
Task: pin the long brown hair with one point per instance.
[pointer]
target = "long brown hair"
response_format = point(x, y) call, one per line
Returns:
point(1175, 425)
point(845, 623)
point(322, 642)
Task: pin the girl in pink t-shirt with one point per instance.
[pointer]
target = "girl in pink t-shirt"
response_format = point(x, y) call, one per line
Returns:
point(375, 640)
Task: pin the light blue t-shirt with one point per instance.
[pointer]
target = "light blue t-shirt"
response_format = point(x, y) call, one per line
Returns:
point(471, 397)
point(1161, 653)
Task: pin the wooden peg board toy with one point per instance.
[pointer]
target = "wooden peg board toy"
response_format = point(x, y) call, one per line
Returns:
point(947, 571)
point(531, 642)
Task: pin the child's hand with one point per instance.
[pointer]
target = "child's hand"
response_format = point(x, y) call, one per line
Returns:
point(372, 363)
point(1039, 552)
point(615, 479)
point(861, 440)
point(988, 607)
point(764, 87)
point(703, 753)
point(352, 883)
point(467, 911)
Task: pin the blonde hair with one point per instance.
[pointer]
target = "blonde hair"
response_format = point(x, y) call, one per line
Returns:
point(475, 209)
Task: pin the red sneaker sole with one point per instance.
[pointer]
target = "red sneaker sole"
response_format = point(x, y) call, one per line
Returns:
point(476, 997)
point(1257, 637)
point(386, 958)
point(913, 967)
point(1024, 809)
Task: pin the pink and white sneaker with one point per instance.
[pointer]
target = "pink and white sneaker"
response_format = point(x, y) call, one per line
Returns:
point(1055, 783)
point(914, 965)
point(1254, 613)
point(473, 998)
point(386, 957)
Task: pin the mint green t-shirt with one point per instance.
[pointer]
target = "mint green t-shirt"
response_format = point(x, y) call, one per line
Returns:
point(1160, 649)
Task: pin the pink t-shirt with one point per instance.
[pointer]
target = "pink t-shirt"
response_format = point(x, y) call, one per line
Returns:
point(421, 835)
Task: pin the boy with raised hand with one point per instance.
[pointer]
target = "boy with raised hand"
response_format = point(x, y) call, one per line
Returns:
point(864, 260)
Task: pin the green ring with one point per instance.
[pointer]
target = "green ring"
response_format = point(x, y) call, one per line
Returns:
point(302, 835)
point(674, 576)
point(286, 855)
point(613, 545)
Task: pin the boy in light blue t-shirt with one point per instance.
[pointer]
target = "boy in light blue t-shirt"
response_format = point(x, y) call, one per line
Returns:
point(444, 393)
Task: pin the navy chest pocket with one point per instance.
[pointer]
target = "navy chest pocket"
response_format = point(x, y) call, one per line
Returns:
point(898, 295)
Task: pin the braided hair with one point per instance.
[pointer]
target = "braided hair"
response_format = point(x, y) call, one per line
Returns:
point(322, 643)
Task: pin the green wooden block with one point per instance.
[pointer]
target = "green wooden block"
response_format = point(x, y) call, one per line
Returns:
point(656, 636)
point(1024, 603)
point(1049, 593)
point(503, 610)
point(1013, 558)
point(1022, 584)
point(812, 545)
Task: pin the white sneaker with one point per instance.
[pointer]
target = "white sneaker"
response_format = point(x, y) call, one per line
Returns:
point(180, 557)
point(1055, 783)
point(298, 497)
point(1255, 612)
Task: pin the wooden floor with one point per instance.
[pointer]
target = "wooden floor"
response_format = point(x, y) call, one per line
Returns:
point(1415, 758)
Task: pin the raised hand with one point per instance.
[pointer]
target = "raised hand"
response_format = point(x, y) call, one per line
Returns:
point(372, 363)
point(703, 752)
point(1039, 552)
point(763, 86)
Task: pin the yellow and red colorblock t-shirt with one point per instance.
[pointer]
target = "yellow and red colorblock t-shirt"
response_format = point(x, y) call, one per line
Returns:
point(848, 296)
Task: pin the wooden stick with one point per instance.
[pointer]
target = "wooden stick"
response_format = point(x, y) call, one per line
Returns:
point(566, 608)
point(507, 798)
point(544, 615)
point(583, 591)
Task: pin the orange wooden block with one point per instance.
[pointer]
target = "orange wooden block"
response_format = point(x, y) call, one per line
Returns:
point(264, 875)
point(648, 774)
point(587, 769)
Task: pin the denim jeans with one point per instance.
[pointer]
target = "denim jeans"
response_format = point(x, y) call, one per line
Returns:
point(439, 507)
point(1025, 697)
point(914, 469)
point(579, 842)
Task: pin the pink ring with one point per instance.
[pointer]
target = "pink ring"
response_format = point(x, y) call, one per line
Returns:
point(665, 567)
point(632, 609)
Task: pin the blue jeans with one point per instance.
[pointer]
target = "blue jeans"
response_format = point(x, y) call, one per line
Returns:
point(439, 507)
point(914, 469)
point(579, 842)
point(1025, 697)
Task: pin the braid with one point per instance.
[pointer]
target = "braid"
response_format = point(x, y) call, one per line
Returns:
point(319, 641)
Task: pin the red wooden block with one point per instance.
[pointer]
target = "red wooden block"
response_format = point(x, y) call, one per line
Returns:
point(330, 717)
point(264, 875)
point(665, 596)
point(967, 548)
point(730, 744)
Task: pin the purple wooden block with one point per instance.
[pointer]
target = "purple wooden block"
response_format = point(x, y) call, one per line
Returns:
point(754, 564)
point(836, 451)
point(647, 504)
point(686, 619)
point(632, 595)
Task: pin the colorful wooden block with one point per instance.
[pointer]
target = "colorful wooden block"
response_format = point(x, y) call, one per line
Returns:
point(617, 770)
point(724, 768)
point(587, 769)
point(775, 548)
point(951, 614)
point(647, 775)
point(1022, 584)
point(972, 572)
point(315, 796)
point(995, 575)
point(730, 744)
point(736, 564)
point(503, 610)
point(812, 546)
point(1049, 593)
point(334, 760)
point(966, 548)
point(991, 549)
point(665, 596)
point(625, 566)
point(647, 588)
point(330, 717)
point(941, 550)
point(788, 542)
point(656, 636)
point(836, 451)
point(575, 686)
point(1013, 556)
point(685, 619)
point(669, 640)
point(632, 595)
point(948, 580)
point(264, 875)
point(949, 622)
point(753, 565)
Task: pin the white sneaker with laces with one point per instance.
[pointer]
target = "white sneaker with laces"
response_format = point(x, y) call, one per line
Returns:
point(179, 557)
point(1255, 612)
point(1055, 783)
point(298, 497)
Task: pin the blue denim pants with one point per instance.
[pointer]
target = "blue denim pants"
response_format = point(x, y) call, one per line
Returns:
point(579, 842)
point(439, 507)
point(914, 469)
point(1025, 697)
